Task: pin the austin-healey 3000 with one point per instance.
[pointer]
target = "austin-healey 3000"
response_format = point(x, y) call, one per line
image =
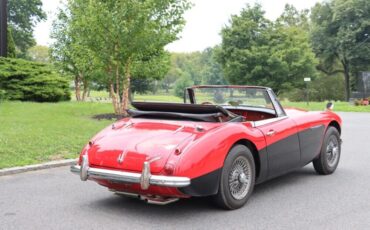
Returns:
point(221, 142)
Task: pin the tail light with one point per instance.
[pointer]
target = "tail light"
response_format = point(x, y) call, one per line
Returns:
point(169, 168)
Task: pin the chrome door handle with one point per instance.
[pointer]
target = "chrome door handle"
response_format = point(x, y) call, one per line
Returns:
point(271, 133)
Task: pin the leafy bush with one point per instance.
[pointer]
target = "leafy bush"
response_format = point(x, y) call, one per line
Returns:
point(181, 84)
point(2, 95)
point(30, 81)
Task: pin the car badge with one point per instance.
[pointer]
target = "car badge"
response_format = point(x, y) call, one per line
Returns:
point(121, 157)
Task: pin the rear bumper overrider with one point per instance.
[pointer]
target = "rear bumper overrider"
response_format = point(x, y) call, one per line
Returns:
point(145, 179)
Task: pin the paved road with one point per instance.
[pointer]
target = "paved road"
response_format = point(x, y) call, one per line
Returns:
point(56, 199)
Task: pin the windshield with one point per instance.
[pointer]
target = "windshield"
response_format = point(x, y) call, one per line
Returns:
point(248, 97)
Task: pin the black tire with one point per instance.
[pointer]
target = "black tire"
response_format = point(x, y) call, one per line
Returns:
point(239, 160)
point(328, 160)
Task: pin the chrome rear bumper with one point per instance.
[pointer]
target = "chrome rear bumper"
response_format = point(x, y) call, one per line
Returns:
point(144, 179)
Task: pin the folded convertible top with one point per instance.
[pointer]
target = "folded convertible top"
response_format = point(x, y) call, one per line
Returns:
point(179, 108)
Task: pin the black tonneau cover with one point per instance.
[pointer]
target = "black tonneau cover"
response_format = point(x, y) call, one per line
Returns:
point(179, 108)
point(159, 110)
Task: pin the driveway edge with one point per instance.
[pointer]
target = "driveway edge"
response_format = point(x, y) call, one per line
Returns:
point(51, 164)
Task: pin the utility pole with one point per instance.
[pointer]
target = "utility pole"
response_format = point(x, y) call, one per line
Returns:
point(3, 28)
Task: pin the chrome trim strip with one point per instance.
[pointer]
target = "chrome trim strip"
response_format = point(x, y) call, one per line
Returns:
point(267, 121)
point(179, 129)
point(316, 126)
point(128, 177)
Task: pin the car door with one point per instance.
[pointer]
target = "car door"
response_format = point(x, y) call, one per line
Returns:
point(282, 144)
point(311, 134)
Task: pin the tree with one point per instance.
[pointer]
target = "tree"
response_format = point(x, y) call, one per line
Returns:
point(172, 75)
point(201, 67)
point(256, 51)
point(181, 83)
point(341, 37)
point(22, 18)
point(11, 45)
point(212, 70)
point(292, 17)
point(39, 54)
point(123, 35)
point(71, 55)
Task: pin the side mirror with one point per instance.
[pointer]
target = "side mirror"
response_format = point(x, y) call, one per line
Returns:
point(330, 106)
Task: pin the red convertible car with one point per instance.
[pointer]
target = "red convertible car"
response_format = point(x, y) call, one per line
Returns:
point(220, 142)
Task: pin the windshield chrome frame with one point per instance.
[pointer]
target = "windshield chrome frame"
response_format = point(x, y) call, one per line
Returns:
point(279, 110)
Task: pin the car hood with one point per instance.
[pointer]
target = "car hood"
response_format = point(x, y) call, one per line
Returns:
point(128, 143)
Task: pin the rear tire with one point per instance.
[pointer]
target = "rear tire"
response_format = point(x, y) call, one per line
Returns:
point(237, 178)
point(328, 160)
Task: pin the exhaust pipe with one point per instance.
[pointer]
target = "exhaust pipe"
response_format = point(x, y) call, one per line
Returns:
point(157, 200)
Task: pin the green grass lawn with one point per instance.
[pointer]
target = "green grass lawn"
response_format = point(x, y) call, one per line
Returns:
point(37, 132)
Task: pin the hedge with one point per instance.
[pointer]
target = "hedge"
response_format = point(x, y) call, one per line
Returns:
point(31, 81)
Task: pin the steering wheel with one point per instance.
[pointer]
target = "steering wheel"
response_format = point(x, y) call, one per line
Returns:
point(206, 103)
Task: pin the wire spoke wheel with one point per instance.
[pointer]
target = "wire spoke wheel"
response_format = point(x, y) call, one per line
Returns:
point(240, 178)
point(327, 162)
point(332, 151)
point(237, 178)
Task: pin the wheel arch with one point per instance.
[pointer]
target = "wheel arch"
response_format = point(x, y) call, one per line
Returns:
point(252, 147)
point(336, 125)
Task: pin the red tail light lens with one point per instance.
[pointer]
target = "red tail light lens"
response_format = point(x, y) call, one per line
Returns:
point(169, 168)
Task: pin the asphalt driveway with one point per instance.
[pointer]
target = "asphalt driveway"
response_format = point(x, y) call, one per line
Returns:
point(56, 199)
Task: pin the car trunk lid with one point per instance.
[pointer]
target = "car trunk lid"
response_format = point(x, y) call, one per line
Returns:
point(127, 145)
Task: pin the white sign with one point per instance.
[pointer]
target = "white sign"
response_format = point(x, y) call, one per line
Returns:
point(307, 79)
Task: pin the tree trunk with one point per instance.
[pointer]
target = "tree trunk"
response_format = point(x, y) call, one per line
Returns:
point(77, 88)
point(347, 85)
point(85, 89)
point(112, 94)
point(126, 87)
point(114, 98)
point(118, 94)
point(167, 86)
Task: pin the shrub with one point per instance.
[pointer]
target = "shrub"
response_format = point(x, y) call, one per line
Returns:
point(30, 81)
point(2, 95)
point(181, 84)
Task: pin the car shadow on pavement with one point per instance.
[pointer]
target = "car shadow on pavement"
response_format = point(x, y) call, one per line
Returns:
point(184, 207)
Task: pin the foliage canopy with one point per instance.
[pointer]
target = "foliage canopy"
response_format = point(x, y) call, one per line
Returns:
point(123, 39)
point(22, 18)
point(341, 37)
point(256, 51)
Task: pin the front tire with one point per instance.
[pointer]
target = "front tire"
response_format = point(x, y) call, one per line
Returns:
point(328, 160)
point(237, 178)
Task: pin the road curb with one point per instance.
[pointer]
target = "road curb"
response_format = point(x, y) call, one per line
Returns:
point(51, 164)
